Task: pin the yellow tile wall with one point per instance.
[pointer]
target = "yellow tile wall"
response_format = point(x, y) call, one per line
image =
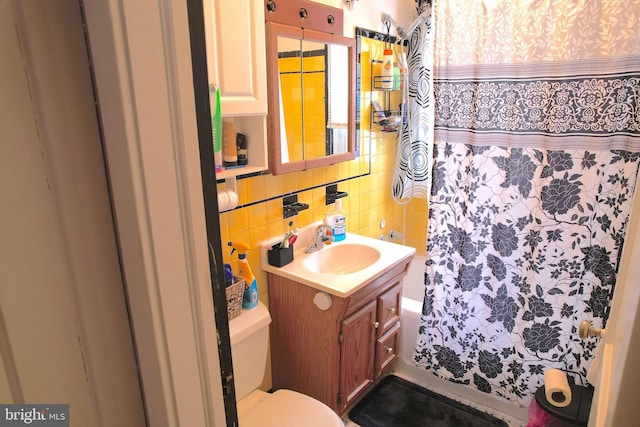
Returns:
point(312, 103)
point(368, 202)
point(314, 113)
point(291, 86)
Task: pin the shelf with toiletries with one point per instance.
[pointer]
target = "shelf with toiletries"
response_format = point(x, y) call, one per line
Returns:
point(387, 87)
point(386, 83)
point(389, 120)
point(235, 42)
point(254, 130)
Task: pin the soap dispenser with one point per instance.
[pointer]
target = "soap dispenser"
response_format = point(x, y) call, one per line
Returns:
point(337, 221)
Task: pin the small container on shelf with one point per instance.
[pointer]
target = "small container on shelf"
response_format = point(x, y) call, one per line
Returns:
point(390, 120)
point(394, 122)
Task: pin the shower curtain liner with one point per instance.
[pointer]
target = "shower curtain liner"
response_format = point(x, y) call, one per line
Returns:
point(537, 147)
point(412, 174)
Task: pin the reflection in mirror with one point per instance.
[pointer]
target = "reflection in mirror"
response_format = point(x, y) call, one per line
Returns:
point(312, 85)
point(290, 82)
point(338, 105)
point(311, 81)
point(314, 59)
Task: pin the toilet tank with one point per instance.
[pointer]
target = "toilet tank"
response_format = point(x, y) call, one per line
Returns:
point(249, 335)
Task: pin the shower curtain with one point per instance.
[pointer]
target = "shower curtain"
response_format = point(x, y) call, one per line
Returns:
point(412, 173)
point(537, 147)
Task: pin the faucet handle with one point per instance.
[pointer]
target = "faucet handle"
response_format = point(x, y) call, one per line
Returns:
point(329, 235)
point(321, 236)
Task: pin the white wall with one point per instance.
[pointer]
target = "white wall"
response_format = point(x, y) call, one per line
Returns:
point(368, 14)
point(142, 60)
point(64, 330)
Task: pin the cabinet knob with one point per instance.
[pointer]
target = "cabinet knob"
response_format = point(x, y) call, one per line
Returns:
point(392, 310)
point(389, 350)
point(376, 324)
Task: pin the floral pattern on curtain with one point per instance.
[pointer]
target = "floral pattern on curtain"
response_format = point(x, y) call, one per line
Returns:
point(537, 149)
point(513, 269)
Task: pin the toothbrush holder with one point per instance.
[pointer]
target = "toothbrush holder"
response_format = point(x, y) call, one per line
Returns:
point(279, 257)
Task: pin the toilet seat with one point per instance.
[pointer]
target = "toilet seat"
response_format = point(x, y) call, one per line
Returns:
point(285, 408)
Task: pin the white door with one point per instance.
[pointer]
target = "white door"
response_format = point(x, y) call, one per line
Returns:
point(615, 402)
point(64, 329)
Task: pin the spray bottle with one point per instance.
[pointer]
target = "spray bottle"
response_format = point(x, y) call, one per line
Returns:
point(250, 296)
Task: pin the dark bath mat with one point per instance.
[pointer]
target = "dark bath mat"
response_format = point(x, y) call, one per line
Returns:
point(395, 402)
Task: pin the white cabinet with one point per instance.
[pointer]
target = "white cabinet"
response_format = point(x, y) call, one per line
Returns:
point(236, 62)
point(235, 35)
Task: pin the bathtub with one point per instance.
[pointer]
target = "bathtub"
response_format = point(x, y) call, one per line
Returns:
point(412, 295)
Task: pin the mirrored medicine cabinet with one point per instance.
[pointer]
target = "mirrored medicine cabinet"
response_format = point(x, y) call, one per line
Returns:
point(311, 86)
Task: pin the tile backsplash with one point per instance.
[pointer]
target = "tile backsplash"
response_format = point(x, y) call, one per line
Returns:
point(259, 216)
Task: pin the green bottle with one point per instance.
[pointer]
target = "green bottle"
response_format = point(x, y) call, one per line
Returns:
point(216, 124)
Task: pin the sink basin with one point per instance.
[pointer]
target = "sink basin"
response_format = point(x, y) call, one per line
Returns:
point(347, 258)
point(342, 267)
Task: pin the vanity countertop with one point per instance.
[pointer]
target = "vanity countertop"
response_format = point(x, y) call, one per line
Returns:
point(340, 284)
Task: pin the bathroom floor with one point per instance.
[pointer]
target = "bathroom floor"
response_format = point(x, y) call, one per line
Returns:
point(511, 421)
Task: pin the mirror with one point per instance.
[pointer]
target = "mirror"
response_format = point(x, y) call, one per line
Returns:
point(314, 100)
point(311, 85)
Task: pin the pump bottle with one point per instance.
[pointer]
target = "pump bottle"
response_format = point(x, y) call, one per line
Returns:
point(337, 221)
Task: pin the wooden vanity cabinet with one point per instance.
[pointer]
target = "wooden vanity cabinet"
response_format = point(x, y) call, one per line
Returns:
point(334, 355)
point(357, 342)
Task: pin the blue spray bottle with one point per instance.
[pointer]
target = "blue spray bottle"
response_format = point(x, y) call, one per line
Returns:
point(250, 296)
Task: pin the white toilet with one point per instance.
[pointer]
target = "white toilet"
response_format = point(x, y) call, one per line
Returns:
point(284, 408)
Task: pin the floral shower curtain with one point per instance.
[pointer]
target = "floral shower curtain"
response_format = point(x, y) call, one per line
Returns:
point(537, 147)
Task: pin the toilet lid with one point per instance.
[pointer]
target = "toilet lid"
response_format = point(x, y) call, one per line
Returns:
point(287, 408)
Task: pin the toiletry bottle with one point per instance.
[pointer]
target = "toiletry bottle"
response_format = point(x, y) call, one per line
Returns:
point(396, 77)
point(387, 70)
point(337, 221)
point(228, 275)
point(229, 149)
point(250, 296)
point(241, 144)
point(216, 124)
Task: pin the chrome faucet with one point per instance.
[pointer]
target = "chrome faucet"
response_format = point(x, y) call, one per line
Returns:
point(320, 237)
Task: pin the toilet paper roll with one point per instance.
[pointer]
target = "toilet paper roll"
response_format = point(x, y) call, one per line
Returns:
point(227, 200)
point(556, 388)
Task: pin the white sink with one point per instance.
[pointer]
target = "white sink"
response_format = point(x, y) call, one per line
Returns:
point(341, 259)
point(340, 268)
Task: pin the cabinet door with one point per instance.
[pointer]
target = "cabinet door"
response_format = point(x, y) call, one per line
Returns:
point(387, 349)
point(389, 308)
point(236, 58)
point(357, 353)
